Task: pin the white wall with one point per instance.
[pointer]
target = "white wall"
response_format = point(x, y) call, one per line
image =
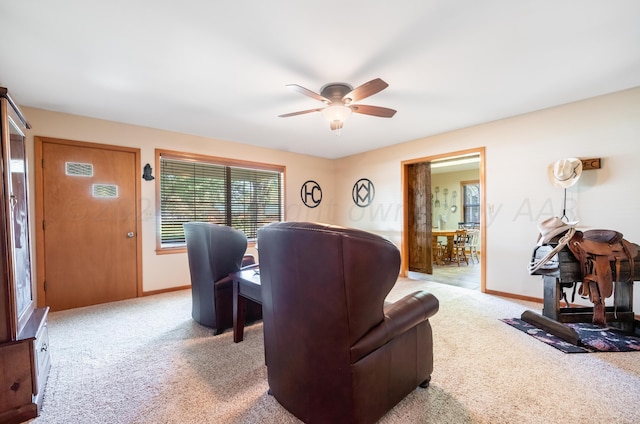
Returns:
point(171, 270)
point(518, 151)
point(518, 193)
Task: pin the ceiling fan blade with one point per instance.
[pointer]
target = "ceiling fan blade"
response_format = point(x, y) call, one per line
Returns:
point(302, 112)
point(307, 92)
point(381, 112)
point(365, 90)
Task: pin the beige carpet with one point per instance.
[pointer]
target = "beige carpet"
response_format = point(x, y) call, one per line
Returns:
point(146, 361)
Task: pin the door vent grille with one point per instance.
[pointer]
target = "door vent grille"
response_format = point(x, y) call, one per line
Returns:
point(104, 191)
point(76, 169)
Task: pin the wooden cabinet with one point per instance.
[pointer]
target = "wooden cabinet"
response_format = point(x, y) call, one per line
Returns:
point(24, 344)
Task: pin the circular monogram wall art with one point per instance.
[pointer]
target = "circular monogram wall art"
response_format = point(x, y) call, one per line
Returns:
point(363, 192)
point(311, 194)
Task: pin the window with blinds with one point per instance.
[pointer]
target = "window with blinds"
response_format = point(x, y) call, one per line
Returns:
point(198, 188)
point(471, 201)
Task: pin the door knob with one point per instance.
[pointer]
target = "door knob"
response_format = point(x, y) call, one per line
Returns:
point(131, 234)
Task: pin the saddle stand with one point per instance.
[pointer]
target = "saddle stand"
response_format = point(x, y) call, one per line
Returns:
point(600, 263)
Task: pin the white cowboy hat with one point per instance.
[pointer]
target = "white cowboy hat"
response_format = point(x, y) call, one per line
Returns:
point(565, 172)
point(551, 227)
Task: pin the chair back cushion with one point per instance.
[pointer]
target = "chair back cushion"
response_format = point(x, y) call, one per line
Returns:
point(332, 278)
point(214, 250)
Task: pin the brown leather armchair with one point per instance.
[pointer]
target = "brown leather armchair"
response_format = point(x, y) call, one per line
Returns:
point(214, 251)
point(335, 352)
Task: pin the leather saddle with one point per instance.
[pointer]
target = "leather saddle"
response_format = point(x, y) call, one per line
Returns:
point(599, 253)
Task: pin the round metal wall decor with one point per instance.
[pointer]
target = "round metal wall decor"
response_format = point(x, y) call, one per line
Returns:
point(311, 194)
point(363, 192)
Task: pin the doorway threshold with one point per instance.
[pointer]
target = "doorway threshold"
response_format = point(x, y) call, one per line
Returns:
point(464, 276)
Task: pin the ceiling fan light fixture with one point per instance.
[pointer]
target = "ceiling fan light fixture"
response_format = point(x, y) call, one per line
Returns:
point(336, 115)
point(341, 100)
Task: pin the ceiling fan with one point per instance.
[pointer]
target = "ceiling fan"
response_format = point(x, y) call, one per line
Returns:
point(340, 98)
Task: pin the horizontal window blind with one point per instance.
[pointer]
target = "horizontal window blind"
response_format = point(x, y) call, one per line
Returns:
point(192, 190)
point(471, 202)
point(256, 199)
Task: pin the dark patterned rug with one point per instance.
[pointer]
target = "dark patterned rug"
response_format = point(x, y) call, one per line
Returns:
point(593, 337)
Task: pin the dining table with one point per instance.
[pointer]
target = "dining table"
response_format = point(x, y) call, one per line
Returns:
point(450, 235)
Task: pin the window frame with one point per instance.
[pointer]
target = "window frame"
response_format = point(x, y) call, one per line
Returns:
point(466, 205)
point(213, 160)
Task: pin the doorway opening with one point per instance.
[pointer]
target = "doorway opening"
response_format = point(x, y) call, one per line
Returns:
point(444, 196)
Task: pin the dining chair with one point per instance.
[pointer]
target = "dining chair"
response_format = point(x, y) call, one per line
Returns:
point(460, 247)
point(473, 240)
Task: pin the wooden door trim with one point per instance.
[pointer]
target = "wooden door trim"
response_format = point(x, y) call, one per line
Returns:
point(404, 241)
point(39, 142)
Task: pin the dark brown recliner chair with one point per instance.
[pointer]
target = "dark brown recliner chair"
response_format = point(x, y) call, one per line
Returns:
point(335, 352)
point(215, 251)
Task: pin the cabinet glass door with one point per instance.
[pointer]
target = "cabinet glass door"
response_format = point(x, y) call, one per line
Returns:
point(19, 223)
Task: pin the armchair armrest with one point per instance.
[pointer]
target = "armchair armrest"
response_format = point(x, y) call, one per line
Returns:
point(399, 317)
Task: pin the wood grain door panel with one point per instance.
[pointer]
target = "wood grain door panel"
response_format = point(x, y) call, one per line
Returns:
point(90, 246)
point(419, 218)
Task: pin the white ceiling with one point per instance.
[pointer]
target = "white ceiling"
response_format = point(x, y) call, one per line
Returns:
point(219, 69)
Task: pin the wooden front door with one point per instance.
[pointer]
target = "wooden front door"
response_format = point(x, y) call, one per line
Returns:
point(88, 197)
point(419, 218)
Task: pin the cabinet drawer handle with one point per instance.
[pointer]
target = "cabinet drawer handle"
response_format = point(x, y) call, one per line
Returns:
point(43, 348)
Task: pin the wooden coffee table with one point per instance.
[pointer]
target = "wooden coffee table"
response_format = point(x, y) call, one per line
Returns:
point(246, 285)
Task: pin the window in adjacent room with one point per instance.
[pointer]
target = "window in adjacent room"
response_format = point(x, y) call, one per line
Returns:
point(242, 195)
point(471, 201)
